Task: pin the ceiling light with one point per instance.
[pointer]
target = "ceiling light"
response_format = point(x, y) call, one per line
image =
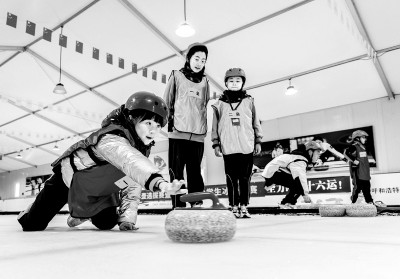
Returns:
point(60, 89)
point(290, 90)
point(185, 29)
point(56, 147)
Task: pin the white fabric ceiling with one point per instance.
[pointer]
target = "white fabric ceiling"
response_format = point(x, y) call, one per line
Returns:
point(336, 52)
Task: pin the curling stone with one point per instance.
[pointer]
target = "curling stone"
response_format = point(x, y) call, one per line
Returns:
point(332, 210)
point(307, 206)
point(361, 210)
point(200, 225)
point(321, 168)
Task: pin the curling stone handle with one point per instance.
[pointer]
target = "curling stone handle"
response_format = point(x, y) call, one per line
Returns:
point(199, 196)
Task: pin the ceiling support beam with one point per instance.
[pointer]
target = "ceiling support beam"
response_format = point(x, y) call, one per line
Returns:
point(258, 21)
point(55, 28)
point(21, 161)
point(56, 68)
point(160, 35)
point(8, 59)
point(36, 111)
point(42, 144)
point(130, 73)
point(150, 26)
point(43, 117)
point(12, 48)
point(365, 56)
point(33, 145)
point(306, 72)
point(177, 52)
point(360, 26)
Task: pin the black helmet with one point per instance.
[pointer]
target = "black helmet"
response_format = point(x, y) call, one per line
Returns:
point(148, 102)
point(235, 72)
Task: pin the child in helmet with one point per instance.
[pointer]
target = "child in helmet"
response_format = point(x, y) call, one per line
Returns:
point(359, 166)
point(236, 136)
point(187, 94)
point(106, 170)
point(289, 170)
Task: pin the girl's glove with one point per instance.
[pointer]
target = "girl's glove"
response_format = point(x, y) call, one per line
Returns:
point(126, 226)
point(173, 188)
point(307, 198)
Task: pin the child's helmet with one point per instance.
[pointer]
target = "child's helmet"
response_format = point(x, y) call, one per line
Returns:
point(313, 145)
point(235, 72)
point(149, 102)
point(195, 47)
point(358, 134)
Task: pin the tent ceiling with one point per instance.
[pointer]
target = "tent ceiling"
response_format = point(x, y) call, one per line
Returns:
point(336, 52)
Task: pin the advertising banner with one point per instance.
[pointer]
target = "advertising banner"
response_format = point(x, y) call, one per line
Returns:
point(386, 188)
point(34, 184)
point(321, 185)
point(337, 139)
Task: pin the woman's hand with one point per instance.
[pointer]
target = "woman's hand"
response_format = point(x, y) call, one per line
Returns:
point(217, 151)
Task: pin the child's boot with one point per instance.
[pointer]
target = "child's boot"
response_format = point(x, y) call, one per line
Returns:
point(235, 211)
point(244, 212)
point(73, 222)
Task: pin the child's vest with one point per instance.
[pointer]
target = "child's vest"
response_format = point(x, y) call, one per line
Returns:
point(363, 169)
point(190, 107)
point(235, 126)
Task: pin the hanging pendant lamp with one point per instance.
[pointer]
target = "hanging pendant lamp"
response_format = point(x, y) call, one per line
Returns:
point(60, 89)
point(290, 90)
point(185, 29)
point(56, 147)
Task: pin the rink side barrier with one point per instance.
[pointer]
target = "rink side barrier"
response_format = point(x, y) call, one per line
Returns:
point(328, 189)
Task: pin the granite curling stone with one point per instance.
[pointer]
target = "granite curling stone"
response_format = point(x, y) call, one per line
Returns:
point(332, 210)
point(308, 206)
point(361, 210)
point(200, 225)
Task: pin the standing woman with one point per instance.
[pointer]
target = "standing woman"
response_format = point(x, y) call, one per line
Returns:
point(187, 95)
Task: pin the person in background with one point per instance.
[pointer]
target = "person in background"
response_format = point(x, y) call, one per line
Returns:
point(290, 170)
point(39, 183)
point(278, 150)
point(236, 135)
point(359, 167)
point(187, 94)
point(101, 177)
point(326, 149)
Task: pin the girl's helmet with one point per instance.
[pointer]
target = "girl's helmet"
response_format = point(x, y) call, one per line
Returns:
point(235, 72)
point(148, 102)
point(358, 134)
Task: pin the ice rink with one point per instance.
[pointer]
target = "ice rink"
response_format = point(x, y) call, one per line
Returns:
point(265, 246)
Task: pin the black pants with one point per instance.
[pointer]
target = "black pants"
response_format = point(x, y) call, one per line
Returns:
point(49, 202)
point(106, 219)
point(46, 205)
point(286, 180)
point(361, 185)
point(238, 172)
point(185, 153)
